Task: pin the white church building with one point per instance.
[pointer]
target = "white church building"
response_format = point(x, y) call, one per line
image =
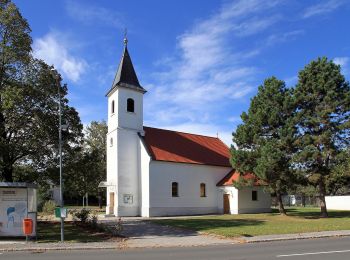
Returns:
point(158, 172)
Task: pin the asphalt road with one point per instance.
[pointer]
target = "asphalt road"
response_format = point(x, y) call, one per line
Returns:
point(320, 249)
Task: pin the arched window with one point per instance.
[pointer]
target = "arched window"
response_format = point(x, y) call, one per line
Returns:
point(112, 107)
point(174, 189)
point(111, 142)
point(130, 106)
point(203, 191)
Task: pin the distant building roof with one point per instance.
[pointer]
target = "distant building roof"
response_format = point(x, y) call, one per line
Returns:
point(233, 176)
point(17, 185)
point(173, 146)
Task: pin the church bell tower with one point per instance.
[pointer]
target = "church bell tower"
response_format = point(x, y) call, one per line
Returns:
point(125, 124)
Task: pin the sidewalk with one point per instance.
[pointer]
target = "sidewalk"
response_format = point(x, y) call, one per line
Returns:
point(37, 247)
point(144, 234)
point(268, 238)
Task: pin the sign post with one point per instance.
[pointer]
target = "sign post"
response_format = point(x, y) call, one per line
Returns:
point(60, 212)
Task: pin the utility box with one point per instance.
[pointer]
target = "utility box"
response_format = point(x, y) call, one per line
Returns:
point(18, 201)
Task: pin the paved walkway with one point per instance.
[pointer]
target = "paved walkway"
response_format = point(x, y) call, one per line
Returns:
point(147, 234)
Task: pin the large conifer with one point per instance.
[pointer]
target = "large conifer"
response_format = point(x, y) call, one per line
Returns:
point(264, 141)
point(322, 96)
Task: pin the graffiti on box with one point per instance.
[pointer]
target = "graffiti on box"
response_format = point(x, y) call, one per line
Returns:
point(13, 209)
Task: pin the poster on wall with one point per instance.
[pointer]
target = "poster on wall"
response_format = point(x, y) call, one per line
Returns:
point(13, 209)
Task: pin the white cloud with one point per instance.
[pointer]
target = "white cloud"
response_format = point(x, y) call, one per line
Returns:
point(235, 119)
point(91, 14)
point(53, 50)
point(323, 8)
point(342, 61)
point(208, 73)
point(291, 81)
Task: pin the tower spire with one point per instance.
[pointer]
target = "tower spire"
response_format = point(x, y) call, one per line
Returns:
point(126, 75)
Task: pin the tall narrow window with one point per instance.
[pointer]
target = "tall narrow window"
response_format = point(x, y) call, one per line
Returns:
point(174, 189)
point(130, 105)
point(203, 191)
point(111, 142)
point(112, 107)
point(254, 195)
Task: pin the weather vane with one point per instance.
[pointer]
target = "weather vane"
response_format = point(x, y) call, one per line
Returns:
point(125, 37)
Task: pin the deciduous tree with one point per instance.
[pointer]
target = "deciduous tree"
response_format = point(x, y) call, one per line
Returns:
point(29, 102)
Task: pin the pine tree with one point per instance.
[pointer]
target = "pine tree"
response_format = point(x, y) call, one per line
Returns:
point(264, 141)
point(322, 96)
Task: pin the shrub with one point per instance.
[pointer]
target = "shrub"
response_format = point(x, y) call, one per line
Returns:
point(93, 220)
point(82, 215)
point(49, 207)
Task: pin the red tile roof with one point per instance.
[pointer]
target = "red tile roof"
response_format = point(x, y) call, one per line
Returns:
point(173, 146)
point(233, 176)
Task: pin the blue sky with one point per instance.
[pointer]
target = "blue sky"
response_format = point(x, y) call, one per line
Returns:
point(201, 61)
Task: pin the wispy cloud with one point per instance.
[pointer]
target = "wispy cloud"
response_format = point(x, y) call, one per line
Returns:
point(342, 61)
point(92, 14)
point(344, 64)
point(283, 37)
point(323, 8)
point(291, 81)
point(54, 50)
point(208, 72)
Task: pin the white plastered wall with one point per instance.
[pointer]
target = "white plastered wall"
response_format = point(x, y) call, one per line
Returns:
point(338, 202)
point(123, 158)
point(112, 159)
point(129, 171)
point(241, 200)
point(145, 161)
point(189, 177)
point(247, 205)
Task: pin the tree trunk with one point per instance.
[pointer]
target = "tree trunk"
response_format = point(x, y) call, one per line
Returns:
point(324, 213)
point(100, 201)
point(303, 200)
point(280, 204)
point(7, 173)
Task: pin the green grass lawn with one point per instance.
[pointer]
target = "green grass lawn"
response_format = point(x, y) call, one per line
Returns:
point(299, 220)
point(50, 232)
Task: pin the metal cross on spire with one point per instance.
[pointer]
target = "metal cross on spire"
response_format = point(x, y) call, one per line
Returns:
point(125, 37)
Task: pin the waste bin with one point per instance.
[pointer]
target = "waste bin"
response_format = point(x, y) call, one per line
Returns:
point(27, 226)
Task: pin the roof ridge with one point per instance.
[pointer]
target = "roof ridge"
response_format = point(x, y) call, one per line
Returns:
point(185, 133)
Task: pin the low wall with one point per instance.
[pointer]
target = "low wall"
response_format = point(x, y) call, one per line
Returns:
point(338, 202)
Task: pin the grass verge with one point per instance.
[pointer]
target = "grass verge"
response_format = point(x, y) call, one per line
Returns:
point(299, 220)
point(50, 232)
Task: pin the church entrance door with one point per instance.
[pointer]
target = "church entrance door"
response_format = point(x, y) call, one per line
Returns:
point(111, 203)
point(226, 203)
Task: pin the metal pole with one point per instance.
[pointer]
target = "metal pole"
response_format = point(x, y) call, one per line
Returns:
point(60, 153)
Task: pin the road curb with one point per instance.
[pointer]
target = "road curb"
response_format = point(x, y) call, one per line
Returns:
point(299, 236)
point(120, 246)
